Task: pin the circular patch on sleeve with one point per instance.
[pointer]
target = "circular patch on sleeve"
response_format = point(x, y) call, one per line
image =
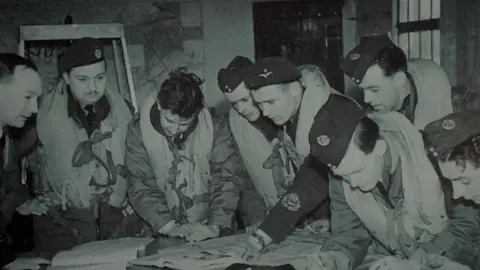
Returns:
point(448, 124)
point(291, 202)
point(323, 140)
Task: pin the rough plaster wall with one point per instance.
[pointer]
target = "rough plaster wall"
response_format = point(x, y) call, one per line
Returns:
point(374, 17)
point(168, 41)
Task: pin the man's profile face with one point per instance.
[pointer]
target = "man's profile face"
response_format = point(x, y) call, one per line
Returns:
point(19, 96)
point(278, 102)
point(380, 91)
point(243, 103)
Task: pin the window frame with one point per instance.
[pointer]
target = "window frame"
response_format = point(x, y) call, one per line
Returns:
point(419, 25)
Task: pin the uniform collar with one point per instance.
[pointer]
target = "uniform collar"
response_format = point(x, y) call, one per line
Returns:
point(77, 113)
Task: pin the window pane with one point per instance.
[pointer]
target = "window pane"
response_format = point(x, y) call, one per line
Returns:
point(436, 46)
point(414, 45)
point(425, 9)
point(403, 10)
point(435, 9)
point(426, 44)
point(413, 6)
point(403, 43)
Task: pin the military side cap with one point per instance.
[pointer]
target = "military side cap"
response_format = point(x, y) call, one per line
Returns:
point(231, 77)
point(333, 129)
point(82, 52)
point(450, 131)
point(360, 58)
point(270, 71)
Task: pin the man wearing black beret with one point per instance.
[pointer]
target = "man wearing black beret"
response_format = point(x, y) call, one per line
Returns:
point(276, 88)
point(82, 126)
point(417, 88)
point(386, 197)
point(454, 142)
point(253, 134)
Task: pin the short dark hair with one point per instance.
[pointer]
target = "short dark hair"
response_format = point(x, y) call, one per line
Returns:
point(467, 151)
point(8, 63)
point(366, 135)
point(391, 59)
point(181, 93)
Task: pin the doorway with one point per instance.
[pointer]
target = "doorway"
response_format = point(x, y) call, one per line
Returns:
point(305, 32)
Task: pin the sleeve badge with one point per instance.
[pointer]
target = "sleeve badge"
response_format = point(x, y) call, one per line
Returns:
point(323, 140)
point(291, 202)
point(448, 124)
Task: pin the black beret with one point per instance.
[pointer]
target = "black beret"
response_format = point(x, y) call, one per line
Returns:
point(82, 52)
point(231, 77)
point(333, 129)
point(360, 58)
point(450, 131)
point(270, 71)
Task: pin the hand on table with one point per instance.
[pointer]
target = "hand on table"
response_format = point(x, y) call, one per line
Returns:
point(36, 206)
point(198, 232)
point(318, 226)
point(393, 263)
point(248, 250)
point(320, 261)
point(26, 264)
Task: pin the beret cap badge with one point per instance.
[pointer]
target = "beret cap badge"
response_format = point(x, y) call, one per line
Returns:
point(98, 53)
point(354, 56)
point(323, 140)
point(265, 74)
point(448, 124)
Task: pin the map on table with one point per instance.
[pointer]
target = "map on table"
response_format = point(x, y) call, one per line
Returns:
point(207, 255)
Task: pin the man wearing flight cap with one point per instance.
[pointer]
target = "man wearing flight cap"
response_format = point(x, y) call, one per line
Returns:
point(417, 88)
point(253, 134)
point(385, 194)
point(276, 87)
point(454, 144)
point(81, 126)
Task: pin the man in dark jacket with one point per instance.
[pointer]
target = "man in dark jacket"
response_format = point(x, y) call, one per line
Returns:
point(20, 87)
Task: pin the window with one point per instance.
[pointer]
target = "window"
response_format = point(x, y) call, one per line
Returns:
point(418, 28)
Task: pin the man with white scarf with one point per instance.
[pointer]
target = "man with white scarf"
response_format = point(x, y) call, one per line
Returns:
point(181, 164)
point(386, 197)
point(82, 126)
point(396, 209)
point(256, 135)
point(276, 87)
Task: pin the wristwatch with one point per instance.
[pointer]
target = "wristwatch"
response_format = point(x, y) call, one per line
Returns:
point(259, 239)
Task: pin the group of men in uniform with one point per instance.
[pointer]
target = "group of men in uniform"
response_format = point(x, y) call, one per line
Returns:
point(386, 192)
point(316, 158)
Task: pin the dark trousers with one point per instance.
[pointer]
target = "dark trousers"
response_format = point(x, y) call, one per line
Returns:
point(6, 248)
